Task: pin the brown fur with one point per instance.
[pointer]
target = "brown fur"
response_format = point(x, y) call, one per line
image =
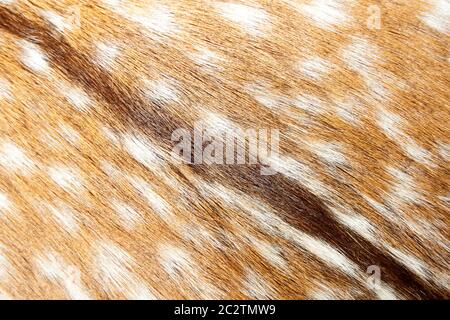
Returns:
point(223, 218)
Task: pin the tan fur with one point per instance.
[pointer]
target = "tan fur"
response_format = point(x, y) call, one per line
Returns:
point(378, 169)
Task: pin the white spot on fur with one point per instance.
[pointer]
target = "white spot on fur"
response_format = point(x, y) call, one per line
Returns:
point(404, 189)
point(310, 104)
point(444, 150)
point(3, 294)
point(252, 20)
point(5, 204)
point(66, 218)
point(5, 266)
point(113, 3)
point(14, 159)
point(267, 100)
point(50, 265)
point(300, 172)
point(128, 216)
point(6, 1)
point(174, 260)
point(33, 58)
point(265, 95)
point(385, 292)
point(77, 97)
point(5, 90)
point(106, 54)
point(73, 286)
point(142, 150)
point(269, 251)
point(357, 223)
point(154, 199)
point(412, 263)
point(199, 235)
point(139, 291)
point(54, 268)
point(325, 252)
point(111, 170)
point(255, 287)
point(376, 86)
point(69, 134)
point(66, 178)
point(330, 152)
point(181, 268)
point(348, 109)
point(323, 292)
point(386, 211)
point(225, 194)
point(111, 261)
point(360, 55)
point(112, 266)
point(207, 59)
point(390, 124)
point(429, 229)
point(314, 68)
point(322, 295)
point(325, 13)
point(111, 135)
point(161, 90)
point(418, 153)
point(380, 208)
point(60, 23)
point(439, 16)
point(217, 124)
point(51, 139)
point(159, 20)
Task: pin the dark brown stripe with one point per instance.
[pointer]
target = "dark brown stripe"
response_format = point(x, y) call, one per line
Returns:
point(306, 212)
point(297, 206)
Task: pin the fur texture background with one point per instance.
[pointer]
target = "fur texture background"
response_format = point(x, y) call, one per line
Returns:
point(92, 204)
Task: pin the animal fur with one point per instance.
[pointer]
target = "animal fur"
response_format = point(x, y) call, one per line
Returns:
point(94, 205)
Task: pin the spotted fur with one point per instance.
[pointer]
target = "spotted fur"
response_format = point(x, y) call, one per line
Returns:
point(94, 206)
